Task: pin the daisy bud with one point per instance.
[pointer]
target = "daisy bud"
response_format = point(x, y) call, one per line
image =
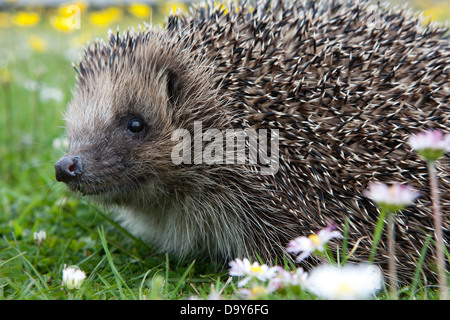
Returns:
point(73, 277)
point(39, 237)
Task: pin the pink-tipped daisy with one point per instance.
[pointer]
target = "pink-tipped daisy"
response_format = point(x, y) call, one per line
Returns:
point(431, 144)
point(392, 197)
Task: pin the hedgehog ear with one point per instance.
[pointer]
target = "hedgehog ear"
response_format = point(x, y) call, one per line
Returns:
point(173, 80)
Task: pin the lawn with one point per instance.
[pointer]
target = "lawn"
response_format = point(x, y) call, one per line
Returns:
point(36, 80)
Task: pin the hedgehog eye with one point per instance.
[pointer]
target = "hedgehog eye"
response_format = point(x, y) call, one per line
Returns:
point(136, 125)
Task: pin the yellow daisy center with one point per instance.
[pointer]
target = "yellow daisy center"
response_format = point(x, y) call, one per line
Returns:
point(256, 268)
point(344, 290)
point(258, 291)
point(314, 238)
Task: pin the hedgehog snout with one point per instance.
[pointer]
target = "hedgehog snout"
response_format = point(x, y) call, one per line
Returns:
point(68, 168)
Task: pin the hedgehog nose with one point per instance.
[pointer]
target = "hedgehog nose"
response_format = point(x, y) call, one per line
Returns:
point(68, 168)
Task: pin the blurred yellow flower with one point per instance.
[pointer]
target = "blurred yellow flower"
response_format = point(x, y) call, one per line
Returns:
point(37, 43)
point(170, 6)
point(105, 17)
point(140, 10)
point(4, 19)
point(68, 17)
point(438, 12)
point(26, 19)
point(62, 23)
point(5, 76)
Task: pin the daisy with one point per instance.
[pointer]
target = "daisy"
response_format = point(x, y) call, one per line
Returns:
point(392, 198)
point(344, 283)
point(431, 144)
point(314, 242)
point(255, 270)
point(285, 278)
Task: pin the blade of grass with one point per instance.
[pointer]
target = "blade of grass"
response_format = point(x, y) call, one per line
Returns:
point(142, 284)
point(25, 290)
point(117, 276)
point(94, 271)
point(345, 242)
point(182, 279)
point(377, 234)
point(329, 254)
point(34, 283)
point(30, 265)
point(419, 267)
point(11, 259)
point(82, 225)
point(167, 273)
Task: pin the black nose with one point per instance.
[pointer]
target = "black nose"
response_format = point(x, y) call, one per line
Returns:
point(68, 168)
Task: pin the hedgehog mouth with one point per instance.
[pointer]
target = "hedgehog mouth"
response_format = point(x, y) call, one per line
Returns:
point(90, 189)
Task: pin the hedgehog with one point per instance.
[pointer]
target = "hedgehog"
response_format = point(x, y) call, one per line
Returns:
point(332, 88)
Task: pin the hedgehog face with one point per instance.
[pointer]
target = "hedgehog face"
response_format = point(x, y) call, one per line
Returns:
point(118, 125)
point(115, 145)
point(131, 94)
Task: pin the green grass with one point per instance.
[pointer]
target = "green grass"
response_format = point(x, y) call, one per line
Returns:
point(117, 265)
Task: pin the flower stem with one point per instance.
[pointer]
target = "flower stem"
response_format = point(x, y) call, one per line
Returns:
point(437, 218)
point(37, 255)
point(391, 262)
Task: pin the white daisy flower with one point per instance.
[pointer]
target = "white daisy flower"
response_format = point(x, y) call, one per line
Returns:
point(314, 242)
point(255, 270)
point(350, 282)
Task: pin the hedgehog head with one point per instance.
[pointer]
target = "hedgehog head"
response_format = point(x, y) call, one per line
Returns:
point(132, 93)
